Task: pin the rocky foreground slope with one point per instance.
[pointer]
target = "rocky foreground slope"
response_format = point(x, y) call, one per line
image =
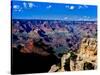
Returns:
point(84, 59)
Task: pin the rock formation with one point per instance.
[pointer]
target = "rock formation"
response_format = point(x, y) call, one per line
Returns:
point(84, 59)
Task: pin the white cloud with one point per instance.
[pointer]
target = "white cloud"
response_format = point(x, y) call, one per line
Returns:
point(65, 17)
point(25, 4)
point(19, 10)
point(72, 7)
point(85, 6)
point(66, 6)
point(80, 7)
point(49, 6)
point(86, 17)
point(16, 6)
point(31, 5)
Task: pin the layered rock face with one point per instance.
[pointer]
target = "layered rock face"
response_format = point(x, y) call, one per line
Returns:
point(84, 59)
point(87, 55)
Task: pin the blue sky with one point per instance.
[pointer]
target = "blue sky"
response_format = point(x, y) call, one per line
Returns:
point(52, 11)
